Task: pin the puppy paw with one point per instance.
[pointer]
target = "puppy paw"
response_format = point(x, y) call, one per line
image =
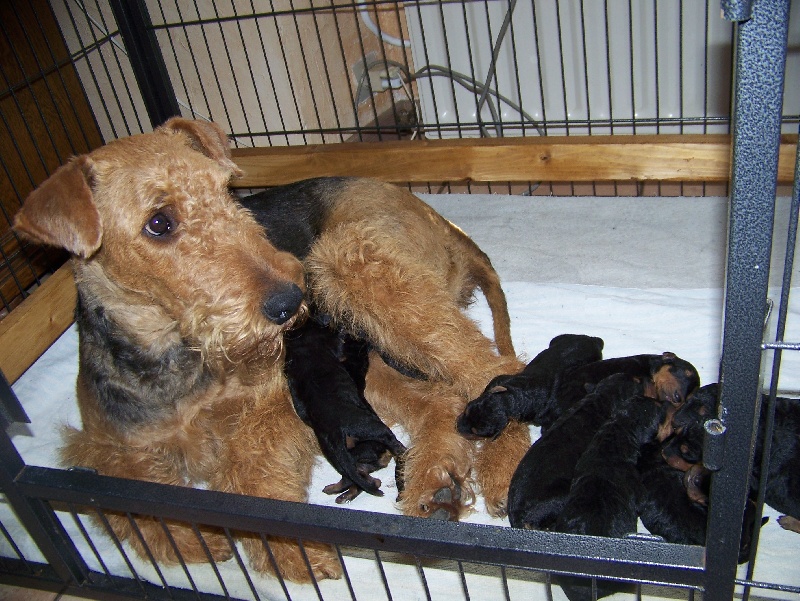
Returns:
point(788, 522)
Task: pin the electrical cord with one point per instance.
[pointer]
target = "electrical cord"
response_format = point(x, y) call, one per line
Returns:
point(467, 82)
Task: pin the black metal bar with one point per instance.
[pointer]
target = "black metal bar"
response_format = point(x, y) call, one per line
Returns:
point(10, 408)
point(737, 10)
point(147, 62)
point(629, 559)
point(758, 93)
point(35, 515)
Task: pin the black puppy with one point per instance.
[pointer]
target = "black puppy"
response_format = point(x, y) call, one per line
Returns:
point(326, 369)
point(527, 395)
point(674, 504)
point(326, 372)
point(668, 378)
point(605, 487)
point(542, 481)
point(664, 505)
point(783, 484)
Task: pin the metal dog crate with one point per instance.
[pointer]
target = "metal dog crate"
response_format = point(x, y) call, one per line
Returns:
point(290, 79)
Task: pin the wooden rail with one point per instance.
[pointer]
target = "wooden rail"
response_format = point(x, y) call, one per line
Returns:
point(665, 158)
point(36, 323)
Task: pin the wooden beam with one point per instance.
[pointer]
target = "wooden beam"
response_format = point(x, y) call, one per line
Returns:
point(666, 158)
point(30, 329)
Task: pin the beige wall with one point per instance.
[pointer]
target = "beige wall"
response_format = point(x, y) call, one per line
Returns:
point(290, 69)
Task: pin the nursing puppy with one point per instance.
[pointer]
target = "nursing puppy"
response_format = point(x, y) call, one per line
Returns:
point(326, 370)
point(783, 485)
point(673, 378)
point(602, 499)
point(528, 395)
point(664, 505)
point(542, 482)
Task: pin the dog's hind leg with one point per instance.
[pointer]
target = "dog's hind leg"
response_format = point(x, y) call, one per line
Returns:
point(361, 275)
point(495, 464)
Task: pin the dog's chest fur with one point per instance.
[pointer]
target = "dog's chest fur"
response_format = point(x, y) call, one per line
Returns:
point(133, 386)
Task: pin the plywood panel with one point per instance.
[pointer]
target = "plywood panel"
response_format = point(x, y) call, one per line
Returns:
point(32, 327)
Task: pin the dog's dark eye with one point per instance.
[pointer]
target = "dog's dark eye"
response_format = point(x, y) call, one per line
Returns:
point(159, 224)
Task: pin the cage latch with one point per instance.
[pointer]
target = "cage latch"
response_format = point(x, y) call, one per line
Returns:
point(713, 444)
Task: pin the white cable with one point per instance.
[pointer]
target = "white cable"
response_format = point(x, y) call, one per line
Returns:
point(389, 39)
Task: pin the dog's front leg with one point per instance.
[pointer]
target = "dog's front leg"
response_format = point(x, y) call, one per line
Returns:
point(162, 461)
point(271, 454)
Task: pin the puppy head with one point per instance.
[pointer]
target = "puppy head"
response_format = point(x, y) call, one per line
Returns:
point(487, 416)
point(699, 406)
point(577, 349)
point(673, 378)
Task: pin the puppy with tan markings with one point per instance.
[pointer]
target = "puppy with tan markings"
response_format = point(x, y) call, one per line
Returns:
point(529, 395)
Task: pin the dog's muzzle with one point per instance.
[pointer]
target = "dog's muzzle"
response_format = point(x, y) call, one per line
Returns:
point(283, 304)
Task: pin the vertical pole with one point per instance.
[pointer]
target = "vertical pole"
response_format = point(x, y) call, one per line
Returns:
point(760, 60)
point(146, 59)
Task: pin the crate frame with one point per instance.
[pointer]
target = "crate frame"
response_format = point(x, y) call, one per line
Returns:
point(759, 159)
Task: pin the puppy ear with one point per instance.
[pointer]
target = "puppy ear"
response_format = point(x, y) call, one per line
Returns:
point(207, 138)
point(61, 211)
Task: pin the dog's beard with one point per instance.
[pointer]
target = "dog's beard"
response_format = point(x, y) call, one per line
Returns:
point(245, 347)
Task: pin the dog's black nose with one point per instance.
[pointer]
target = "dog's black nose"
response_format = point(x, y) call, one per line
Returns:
point(280, 307)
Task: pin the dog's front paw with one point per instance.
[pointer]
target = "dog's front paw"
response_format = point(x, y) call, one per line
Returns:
point(446, 498)
point(497, 506)
point(316, 561)
point(445, 504)
point(324, 562)
point(182, 544)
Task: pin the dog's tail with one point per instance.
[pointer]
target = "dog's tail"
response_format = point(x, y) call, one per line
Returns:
point(483, 275)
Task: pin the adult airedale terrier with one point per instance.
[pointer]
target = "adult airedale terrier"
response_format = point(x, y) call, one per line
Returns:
point(182, 306)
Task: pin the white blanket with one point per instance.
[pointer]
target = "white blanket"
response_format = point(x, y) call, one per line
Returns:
point(684, 318)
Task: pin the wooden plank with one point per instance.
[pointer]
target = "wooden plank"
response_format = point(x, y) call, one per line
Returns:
point(666, 158)
point(36, 323)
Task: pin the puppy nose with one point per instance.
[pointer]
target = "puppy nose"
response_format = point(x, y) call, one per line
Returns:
point(280, 307)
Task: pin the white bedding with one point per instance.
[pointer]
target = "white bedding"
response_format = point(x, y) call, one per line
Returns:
point(684, 318)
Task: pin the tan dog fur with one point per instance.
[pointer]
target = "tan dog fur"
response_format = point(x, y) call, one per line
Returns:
point(385, 265)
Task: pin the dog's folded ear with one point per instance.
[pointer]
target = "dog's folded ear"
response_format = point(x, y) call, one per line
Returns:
point(61, 211)
point(207, 138)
